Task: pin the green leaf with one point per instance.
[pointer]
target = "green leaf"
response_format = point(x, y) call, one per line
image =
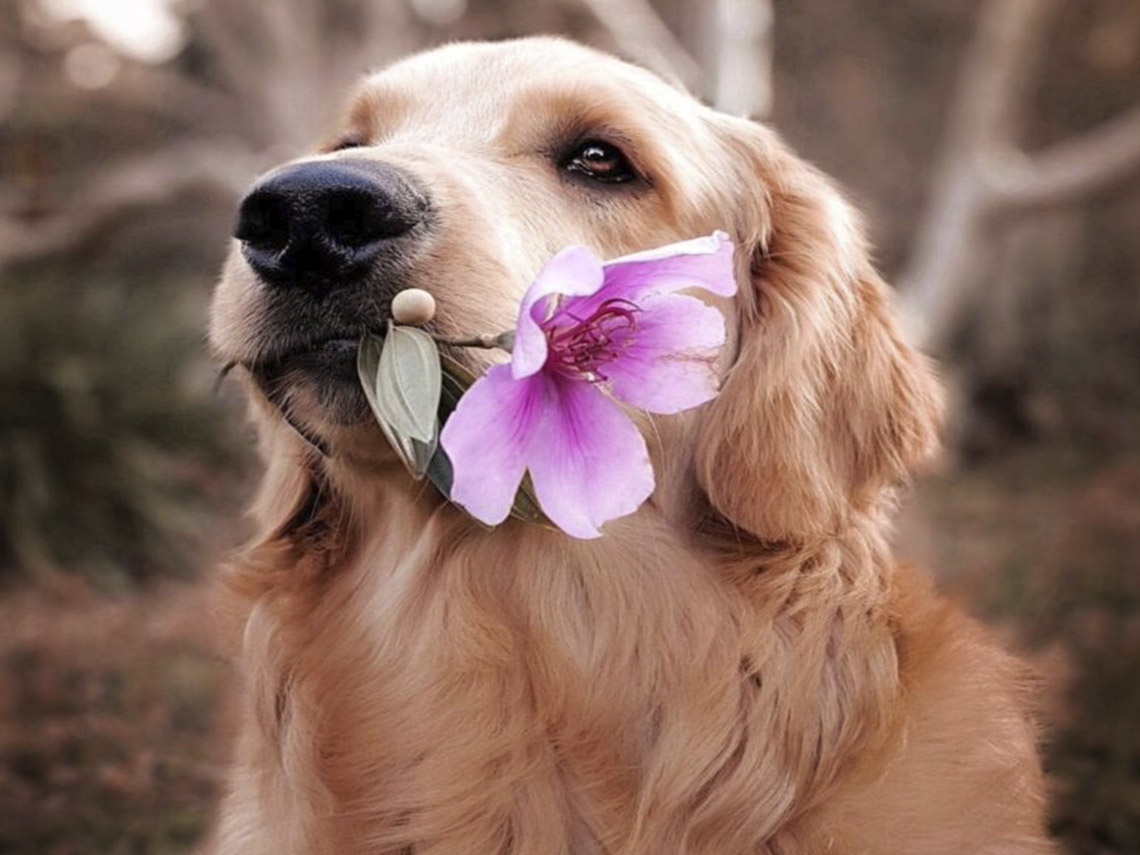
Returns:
point(408, 383)
point(526, 505)
point(415, 454)
point(455, 380)
point(422, 454)
point(427, 459)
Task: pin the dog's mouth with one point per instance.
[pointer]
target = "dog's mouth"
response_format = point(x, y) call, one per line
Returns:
point(314, 384)
point(329, 358)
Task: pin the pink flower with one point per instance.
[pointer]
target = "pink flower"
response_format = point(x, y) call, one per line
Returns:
point(588, 335)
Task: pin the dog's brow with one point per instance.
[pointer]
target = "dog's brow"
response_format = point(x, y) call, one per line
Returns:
point(375, 107)
point(545, 114)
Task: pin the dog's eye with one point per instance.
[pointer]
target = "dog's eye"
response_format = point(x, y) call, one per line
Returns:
point(345, 142)
point(599, 161)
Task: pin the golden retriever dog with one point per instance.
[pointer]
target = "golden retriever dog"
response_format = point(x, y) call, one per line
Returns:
point(738, 667)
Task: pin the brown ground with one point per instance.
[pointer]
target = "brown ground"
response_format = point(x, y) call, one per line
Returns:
point(109, 715)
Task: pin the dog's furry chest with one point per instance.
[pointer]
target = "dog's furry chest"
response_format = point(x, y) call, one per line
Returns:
point(459, 700)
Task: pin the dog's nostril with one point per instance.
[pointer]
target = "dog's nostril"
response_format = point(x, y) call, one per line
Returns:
point(354, 218)
point(323, 224)
point(263, 221)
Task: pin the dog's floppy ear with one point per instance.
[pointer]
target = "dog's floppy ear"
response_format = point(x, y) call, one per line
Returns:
point(825, 407)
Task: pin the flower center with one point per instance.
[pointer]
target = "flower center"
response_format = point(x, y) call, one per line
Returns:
point(582, 348)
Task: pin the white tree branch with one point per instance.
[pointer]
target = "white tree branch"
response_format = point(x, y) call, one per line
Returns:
point(984, 177)
point(148, 181)
point(297, 88)
point(222, 28)
point(1070, 170)
point(639, 32)
point(996, 72)
point(741, 56)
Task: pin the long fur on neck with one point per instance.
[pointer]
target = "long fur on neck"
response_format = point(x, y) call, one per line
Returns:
point(514, 691)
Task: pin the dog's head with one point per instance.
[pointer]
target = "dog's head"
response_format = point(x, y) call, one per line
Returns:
point(462, 170)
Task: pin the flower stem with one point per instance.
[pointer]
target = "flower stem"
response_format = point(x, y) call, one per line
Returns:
point(502, 341)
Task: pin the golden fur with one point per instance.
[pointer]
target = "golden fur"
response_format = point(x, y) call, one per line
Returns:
point(740, 666)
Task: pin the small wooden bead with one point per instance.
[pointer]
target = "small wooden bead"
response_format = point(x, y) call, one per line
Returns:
point(413, 306)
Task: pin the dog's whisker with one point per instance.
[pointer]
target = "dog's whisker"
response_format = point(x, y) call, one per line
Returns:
point(276, 396)
point(222, 374)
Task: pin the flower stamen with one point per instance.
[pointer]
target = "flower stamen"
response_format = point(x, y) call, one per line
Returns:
point(582, 348)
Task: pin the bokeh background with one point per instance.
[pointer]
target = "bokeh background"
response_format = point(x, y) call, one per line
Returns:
point(994, 146)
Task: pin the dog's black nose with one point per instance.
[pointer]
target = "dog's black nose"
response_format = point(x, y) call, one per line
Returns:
point(324, 224)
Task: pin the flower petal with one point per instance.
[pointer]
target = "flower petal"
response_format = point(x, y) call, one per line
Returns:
point(704, 245)
point(590, 463)
point(666, 362)
point(704, 262)
point(487, 439)
point(575, 271)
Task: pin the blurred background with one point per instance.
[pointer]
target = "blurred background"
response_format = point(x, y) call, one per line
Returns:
point(993, 145)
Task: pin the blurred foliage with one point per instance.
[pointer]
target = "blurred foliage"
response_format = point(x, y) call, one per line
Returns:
point(113, 450)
